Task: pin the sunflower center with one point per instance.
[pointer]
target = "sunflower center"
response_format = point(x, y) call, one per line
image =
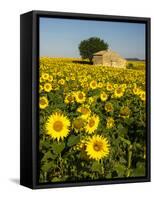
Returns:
point(78, 124)
point(98, 146)
point(143, 95)
point(70, 98)
point(91, 122)
point(94, 84)
point(58, 126)
point(119, 91)
point(84, 110)
point(80, 96)
point(47, 86)
point(42, 101)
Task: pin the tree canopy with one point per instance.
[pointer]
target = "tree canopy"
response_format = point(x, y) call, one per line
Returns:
point(90, 46)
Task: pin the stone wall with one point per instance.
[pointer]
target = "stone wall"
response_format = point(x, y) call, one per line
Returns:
point(110, 59)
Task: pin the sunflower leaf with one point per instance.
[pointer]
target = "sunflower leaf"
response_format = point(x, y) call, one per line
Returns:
point(72, 140)
point(47, 166)
point(58, 147)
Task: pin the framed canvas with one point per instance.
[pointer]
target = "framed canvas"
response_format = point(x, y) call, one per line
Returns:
point(85, 99)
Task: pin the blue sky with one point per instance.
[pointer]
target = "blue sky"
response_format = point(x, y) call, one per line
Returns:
point(61, 37)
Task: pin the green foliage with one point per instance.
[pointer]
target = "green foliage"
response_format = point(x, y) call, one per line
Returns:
point(139, 170)
point(72, 140)
point(97, 167)
point(137, 65)
point(58, 147)
point(90, 46)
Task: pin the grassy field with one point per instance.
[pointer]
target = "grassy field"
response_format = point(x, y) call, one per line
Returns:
point(137, 65)
point(92, 121)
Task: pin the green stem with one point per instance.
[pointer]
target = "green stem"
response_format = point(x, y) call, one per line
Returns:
point(129, 160)
point(45, 176)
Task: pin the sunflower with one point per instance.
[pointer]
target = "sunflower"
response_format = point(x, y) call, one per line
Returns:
point(80, 97)
point(97, 147)
point(43, 102)
point(109, 107)
point(57, 126)
point(118, 92)
point(73, 78)
point(61, 81)
point(45, 76)
point(85, 111)
point(78, 124)
point(40, 88)
point(115, 85)
point(100, 85)
point(142, 95)
point(109, 87)
point(92, 124)
point(91, 100)
point(93, 84)
point(41, 80)
point(124, 86)
point(50, 78)
point(110, 122)
point(136, 90)
point(103, 96)
point(69, 98)
point(125, 112)
point(47, 87)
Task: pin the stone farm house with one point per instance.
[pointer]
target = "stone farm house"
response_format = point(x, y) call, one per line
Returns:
point(109, 58)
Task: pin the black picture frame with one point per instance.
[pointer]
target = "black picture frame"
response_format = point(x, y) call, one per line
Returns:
point(29, 117)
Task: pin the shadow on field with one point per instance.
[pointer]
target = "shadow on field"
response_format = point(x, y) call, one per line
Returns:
point(82, 62)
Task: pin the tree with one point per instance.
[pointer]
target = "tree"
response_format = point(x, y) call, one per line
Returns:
point(90, 46)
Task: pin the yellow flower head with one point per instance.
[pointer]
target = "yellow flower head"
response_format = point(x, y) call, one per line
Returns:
point(43, 102)
point(142, 95)
point(115, 85)
point(85, 112)
point(92, 124)
point(73, 78)
point(124, 86)
point(47, 87)
point(109, 87)
point(40, 88)
point(100, 85)
point(93, 84)
point(110, 122)
point(80, 97)
point(91, 100)
point(61, 81)
point(50, 79)
point(125, 112)
point(136, 90)
point(45, 76)
point(69, 98)
point(119, 92)
point(103, 96)
point(41, 79)
point(78, 124)
point(109, 107)
point(57, 126)
point(97, 147)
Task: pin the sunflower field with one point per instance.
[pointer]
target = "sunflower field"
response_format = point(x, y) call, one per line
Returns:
point(92, 121)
